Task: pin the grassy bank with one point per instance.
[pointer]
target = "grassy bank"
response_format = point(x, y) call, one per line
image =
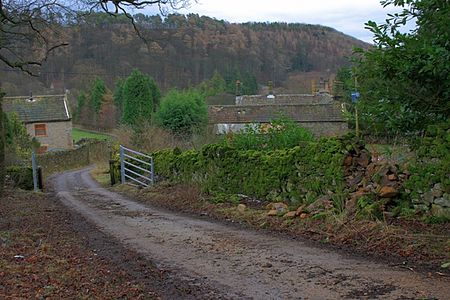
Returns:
point(78, 134)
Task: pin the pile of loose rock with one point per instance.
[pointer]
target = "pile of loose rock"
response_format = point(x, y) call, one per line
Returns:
point(366, 176)
point(363, 176)
point(385, 180)
point(281, 209)
point(372, 177)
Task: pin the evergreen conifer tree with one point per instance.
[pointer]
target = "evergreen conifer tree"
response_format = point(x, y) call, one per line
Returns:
point(140, 98)
point(98, 90)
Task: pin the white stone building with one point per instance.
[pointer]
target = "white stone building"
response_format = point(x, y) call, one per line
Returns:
point(45, 117)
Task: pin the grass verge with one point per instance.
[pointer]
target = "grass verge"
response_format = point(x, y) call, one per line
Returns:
point(101, 174)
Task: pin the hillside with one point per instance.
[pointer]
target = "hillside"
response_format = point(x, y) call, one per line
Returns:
point(184, 50)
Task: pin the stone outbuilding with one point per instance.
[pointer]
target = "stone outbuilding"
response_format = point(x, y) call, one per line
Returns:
point(318, 112)
point(47, 118)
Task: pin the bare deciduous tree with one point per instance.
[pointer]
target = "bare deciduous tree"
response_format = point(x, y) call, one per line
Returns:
point(29, 28)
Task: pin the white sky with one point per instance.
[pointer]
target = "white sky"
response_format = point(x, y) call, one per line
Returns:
point(347, 16)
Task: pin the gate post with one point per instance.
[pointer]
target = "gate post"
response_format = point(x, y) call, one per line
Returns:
point(35, 174)
point(122, 165)
point(152, 169)
point(112, 172)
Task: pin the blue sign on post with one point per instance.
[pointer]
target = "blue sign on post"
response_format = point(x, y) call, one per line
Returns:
point(355, 95)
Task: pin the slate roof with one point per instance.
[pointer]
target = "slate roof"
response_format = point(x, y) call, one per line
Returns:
point(241, 114)
point(46, 108)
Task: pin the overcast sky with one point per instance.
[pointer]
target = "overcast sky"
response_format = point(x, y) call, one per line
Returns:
point(347, 16)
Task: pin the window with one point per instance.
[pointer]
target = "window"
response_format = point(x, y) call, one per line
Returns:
point(40, 129)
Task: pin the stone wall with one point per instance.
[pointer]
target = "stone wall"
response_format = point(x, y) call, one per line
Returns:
point(89, 153)
point(59, 134)
point(436, 200)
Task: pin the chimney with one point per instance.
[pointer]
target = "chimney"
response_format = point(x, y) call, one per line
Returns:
point(31, 99)
point(270, 95)
point(238, 88)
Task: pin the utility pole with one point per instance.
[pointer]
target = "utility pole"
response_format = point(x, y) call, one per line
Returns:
point(355, 96)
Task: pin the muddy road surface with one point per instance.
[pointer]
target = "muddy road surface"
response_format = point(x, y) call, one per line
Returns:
point(239, 263)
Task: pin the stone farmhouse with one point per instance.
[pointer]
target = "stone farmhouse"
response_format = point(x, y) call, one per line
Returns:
point(47, 118)
point(318, 112)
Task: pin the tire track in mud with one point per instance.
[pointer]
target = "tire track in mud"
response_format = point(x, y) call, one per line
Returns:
point(238, 263)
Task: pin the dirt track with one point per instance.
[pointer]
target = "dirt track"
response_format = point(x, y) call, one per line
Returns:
point(239, 263)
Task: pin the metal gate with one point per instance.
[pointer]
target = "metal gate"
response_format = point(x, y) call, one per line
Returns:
point(136, 168)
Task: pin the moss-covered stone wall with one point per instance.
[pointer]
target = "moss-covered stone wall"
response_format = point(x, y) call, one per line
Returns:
point(298, 174)
point(89, 153)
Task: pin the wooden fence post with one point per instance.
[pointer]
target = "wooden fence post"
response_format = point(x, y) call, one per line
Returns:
point(40, 179)
point(112, 172)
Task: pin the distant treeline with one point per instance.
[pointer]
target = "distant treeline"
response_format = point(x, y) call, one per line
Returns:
point(171, 21)
point(182, 51)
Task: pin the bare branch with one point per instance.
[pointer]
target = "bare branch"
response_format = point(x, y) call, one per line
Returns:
point(28, 26)
point(21, 65)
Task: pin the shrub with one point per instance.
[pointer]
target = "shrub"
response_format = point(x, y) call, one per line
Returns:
point(19, 144)
point(182, 112)
point(150, 138)
point(281, 133)
point(21, 176)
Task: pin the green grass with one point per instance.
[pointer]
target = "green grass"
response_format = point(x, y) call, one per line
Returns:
point(78, 134)
point(101, 175)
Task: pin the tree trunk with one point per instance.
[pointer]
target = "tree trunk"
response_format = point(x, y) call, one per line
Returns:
point(2, 146)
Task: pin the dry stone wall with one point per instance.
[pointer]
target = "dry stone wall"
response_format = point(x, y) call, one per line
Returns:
point(89, 153)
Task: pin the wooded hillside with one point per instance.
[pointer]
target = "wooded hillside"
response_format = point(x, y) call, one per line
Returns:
point(181, 51)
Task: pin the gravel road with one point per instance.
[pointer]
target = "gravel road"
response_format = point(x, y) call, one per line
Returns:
point(239, 263)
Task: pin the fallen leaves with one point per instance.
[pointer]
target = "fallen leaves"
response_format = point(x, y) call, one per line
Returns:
point(41, 256)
